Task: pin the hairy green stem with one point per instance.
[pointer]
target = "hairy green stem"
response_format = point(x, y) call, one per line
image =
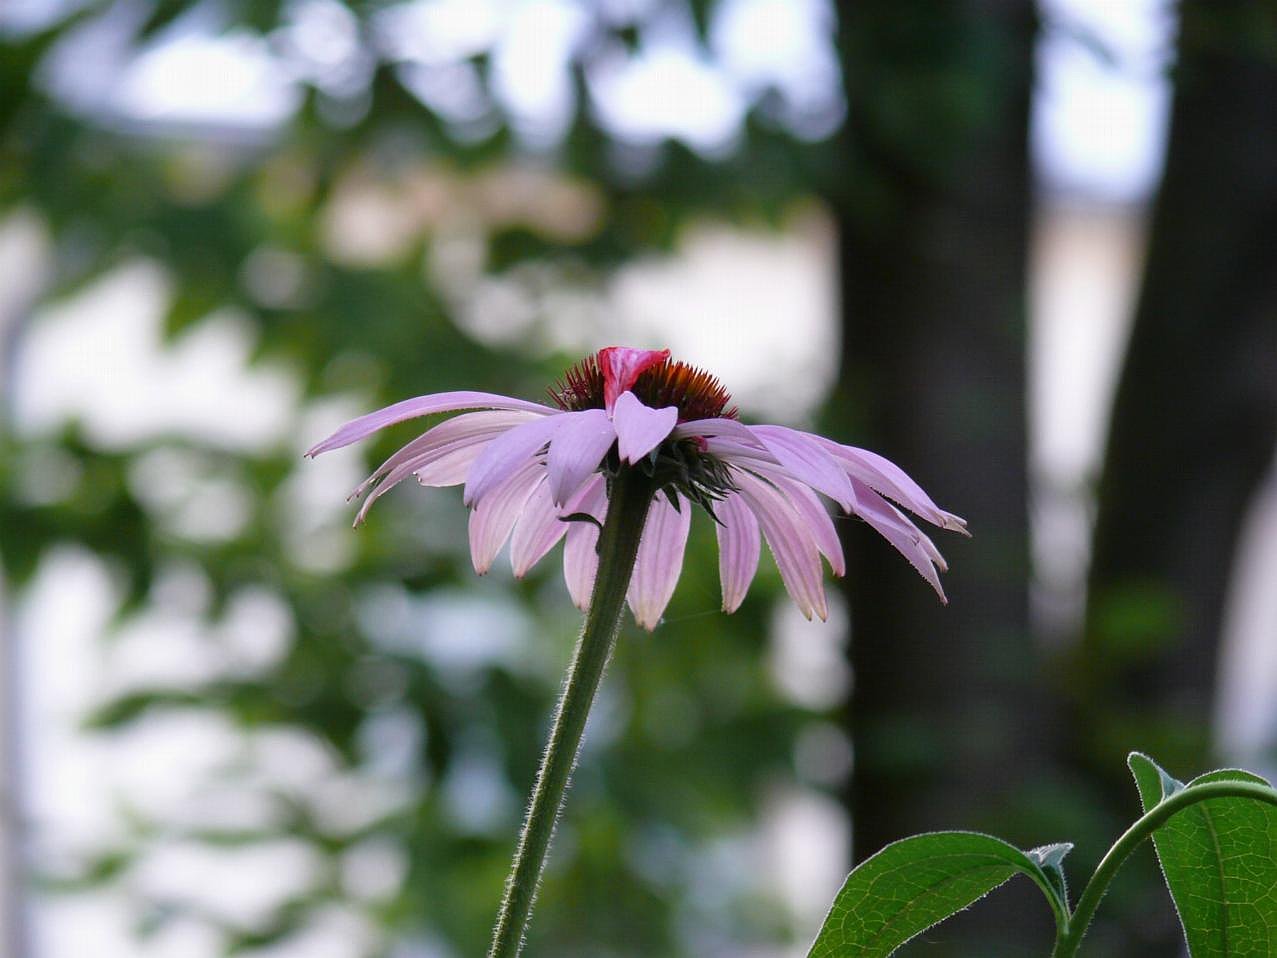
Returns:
point(1067, 943)
point(630, 496)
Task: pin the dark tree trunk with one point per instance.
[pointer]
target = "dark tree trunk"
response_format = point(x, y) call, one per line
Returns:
point(1191, 437)
point(1195, 414)
point(933, 214)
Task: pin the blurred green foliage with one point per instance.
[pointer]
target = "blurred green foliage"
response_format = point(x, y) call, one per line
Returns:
point(696, 735)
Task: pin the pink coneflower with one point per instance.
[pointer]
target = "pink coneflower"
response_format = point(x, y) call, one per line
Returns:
point(635, 440)
point(535, 474)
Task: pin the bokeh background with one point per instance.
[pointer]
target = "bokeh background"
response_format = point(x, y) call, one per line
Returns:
point(1028, 252)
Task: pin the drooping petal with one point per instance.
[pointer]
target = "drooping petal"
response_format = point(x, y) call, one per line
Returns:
point(639, 428)
point(810, 507)
point(738, 547)
point(928, 546)
point(578, 447)
point(580, 560)
point(731, 450)
point(801, 454)
point(541, 525)
point(819, 524)
point(439, 465)
point(449, 467)
point(357, 429)
point(469, 426)
point(888, 479)
point(894, 526)
point(660, 560)
point(442, 466)
point(725, 428)
point(536, 532)
point(790, 542)
point(495, 514)
point(507, 453)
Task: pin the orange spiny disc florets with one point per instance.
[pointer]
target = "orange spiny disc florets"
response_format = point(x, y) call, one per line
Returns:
point(696, 393)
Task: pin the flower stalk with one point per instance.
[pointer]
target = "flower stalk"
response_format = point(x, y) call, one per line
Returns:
point(630, 496)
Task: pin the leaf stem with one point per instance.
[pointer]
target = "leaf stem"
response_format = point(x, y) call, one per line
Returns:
point(630, 496)
point(1067, 944)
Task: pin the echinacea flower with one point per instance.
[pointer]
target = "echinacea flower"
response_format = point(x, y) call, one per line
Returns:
point(635, 440)
point(535, 474)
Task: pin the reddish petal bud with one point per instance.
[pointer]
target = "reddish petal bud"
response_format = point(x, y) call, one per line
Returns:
point(622, 367)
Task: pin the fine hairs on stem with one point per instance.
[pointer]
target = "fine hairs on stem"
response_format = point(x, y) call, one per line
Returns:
point(618, 546)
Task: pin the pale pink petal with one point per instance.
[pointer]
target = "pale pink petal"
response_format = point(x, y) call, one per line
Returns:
point(790, 542)
point(724, 428)
point(819, 524)
point(811, 509)
point(802, 455)
point(441, 466)
point(578, 447)
point(660, 559)
point(537, 531)
point(639, 428)
point(541, 526)
point(730, 450)
point(885, 477)
point(495, 514)
point(928, 546)
point(894, 526)
point(357, 429)
point(469, 426)
point(738, 548)
point(449, 467)
point(507, 453)
point(580, 558)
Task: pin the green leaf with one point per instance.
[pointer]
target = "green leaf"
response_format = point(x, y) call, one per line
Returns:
point(912, 884)
point(1219, 858)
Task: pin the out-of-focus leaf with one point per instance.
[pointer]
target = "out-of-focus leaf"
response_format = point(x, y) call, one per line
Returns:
point(1220, 861)
point(128, 708)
